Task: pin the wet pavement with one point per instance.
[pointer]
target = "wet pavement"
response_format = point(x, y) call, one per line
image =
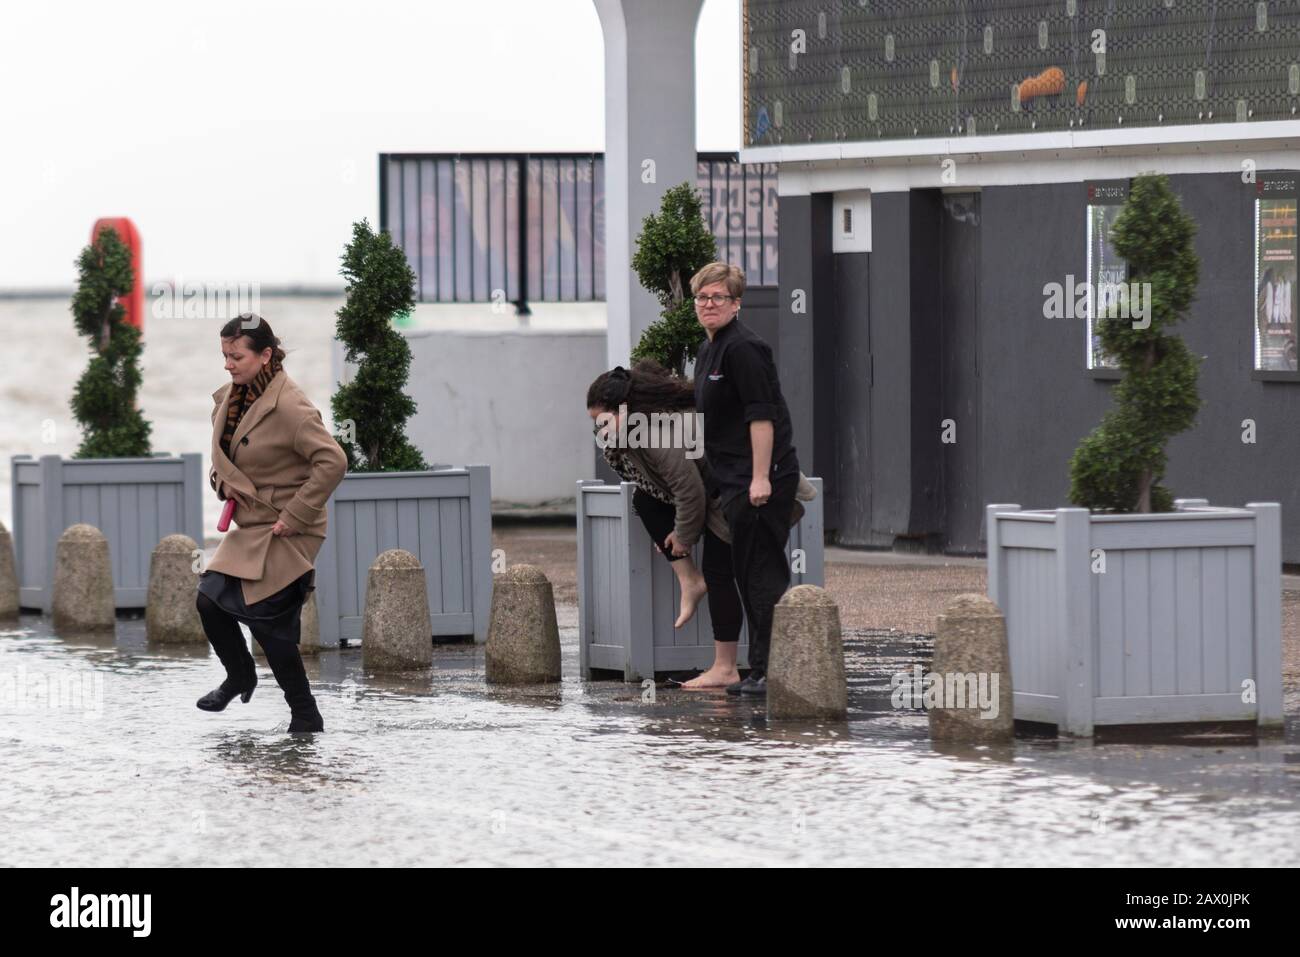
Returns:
point(438, 768)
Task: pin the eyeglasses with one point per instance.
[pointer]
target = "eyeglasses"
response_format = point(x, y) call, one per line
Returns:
point(715, 300)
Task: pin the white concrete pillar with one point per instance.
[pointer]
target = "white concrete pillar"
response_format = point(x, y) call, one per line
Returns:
point(649, 135)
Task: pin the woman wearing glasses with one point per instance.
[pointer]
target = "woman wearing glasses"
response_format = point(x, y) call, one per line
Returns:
point(749, 451)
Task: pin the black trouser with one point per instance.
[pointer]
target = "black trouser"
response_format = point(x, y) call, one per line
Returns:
point(228, 642)
point(659, 518)
point(758, 537)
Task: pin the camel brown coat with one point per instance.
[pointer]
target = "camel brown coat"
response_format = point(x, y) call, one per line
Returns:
point(285, 461)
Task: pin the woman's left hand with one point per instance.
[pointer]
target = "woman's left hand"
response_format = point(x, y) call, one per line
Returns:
point(279, 528)
point(676, 547)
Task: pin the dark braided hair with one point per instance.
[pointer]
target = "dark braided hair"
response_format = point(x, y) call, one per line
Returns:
point(646, 387)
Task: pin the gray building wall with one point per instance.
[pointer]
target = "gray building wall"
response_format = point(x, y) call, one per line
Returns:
point(759, 310)
point(1038, 401)
point(1037, 398)
point(896, 359)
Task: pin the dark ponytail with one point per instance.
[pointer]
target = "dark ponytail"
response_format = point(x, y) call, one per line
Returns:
point(646, 387)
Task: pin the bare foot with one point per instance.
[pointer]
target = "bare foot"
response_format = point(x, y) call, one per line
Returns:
point(713, 678)
point(691, 595)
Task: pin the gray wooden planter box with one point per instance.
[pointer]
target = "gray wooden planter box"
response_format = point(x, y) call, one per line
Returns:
point(135, 502)
point(443, 517)
point(628, 597)
point(1187, 613)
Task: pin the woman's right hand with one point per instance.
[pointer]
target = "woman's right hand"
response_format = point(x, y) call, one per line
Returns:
point(240, 500)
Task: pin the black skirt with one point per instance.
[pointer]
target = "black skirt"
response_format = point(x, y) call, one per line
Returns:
point(276, 616)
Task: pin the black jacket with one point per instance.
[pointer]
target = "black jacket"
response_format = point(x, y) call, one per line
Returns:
point(736, 384)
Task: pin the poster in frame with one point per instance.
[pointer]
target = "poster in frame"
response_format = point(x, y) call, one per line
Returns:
point(1275, 246)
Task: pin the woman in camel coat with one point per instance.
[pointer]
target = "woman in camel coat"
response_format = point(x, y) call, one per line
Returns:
point(273, 455)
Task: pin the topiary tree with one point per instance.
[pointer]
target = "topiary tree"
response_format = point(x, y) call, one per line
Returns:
point(1120, 464)
point(371, 411)
point(672, 248)
point(104, 401)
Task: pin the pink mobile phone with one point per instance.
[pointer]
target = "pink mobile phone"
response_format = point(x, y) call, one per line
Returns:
point(226, 513)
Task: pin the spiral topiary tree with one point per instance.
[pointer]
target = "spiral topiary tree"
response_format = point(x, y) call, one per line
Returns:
point(104, 401)
point(1120, 464)
point(370, 412)
point(672, 248)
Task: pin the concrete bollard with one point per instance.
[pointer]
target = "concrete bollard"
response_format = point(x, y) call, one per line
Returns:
point(523, 641)
point(83, 598)
point(309, 630)
point(805, 675)
point(8, 577)
point(310, 638)
point(396, 633)
point(170, 615)
point(972, 661)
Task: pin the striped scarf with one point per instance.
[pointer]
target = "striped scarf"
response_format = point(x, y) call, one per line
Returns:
point(242, 396)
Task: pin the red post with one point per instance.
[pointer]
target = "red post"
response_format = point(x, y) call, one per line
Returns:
point(129, 235)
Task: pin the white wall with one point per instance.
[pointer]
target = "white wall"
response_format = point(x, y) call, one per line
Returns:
point(493, 390)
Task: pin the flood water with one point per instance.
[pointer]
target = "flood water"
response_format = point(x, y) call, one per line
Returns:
point(437, 768)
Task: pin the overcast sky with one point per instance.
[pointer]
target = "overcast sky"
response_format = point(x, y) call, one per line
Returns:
point(242, 137)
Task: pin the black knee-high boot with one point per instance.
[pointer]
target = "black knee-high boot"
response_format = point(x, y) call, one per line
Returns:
point(228, 642)
point(286, 665)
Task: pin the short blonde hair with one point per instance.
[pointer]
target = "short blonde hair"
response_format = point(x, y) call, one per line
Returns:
point(733, 276)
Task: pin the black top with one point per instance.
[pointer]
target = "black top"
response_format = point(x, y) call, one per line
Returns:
point(736, 384)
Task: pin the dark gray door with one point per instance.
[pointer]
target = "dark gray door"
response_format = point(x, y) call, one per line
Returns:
point(959, 362)
point(848, 498)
